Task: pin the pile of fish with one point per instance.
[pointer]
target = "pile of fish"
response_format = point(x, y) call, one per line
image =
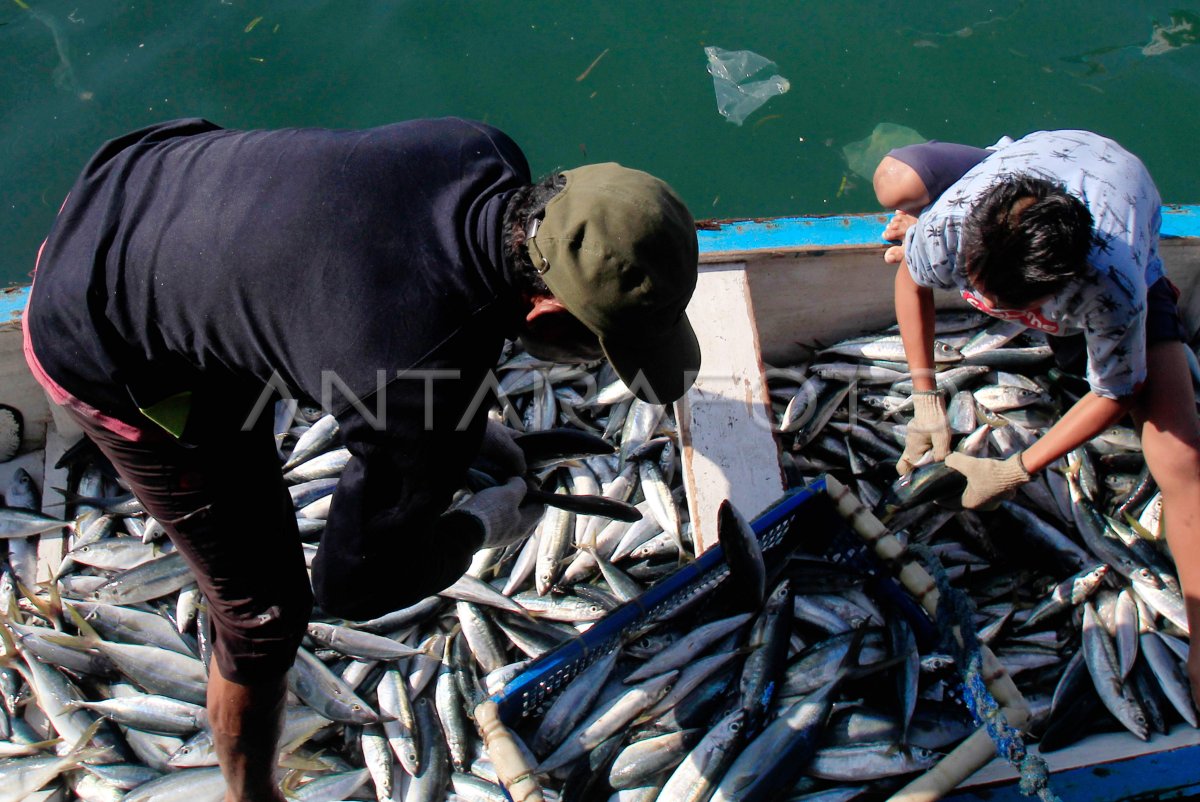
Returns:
point(795, 678)
point(104, 669)
point(1072, 582)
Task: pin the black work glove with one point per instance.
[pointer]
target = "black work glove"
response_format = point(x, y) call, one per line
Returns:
point(496, 514)
point(499, 455)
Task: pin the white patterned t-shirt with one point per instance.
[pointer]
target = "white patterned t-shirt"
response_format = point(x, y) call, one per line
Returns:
point(1109, 303)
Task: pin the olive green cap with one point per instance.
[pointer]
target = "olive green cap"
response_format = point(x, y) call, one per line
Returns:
point(618, 248)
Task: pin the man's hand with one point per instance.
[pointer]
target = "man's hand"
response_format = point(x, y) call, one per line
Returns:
point(989, 481)
point(927, 431)
point(898, 226)
point(497, 514)
point(895, 230)
point(499, 455)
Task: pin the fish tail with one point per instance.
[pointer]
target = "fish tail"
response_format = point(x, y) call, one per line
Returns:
point(51, 609)
point(86, 631)
point(9, 657)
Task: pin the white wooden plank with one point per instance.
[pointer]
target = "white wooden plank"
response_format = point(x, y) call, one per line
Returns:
point(824, 295)
point(1181, 258)
point(729, 450)
point(820, 297)
point(53, 545)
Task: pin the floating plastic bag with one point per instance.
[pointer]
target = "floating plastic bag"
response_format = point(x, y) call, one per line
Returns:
point(1181, 31)
point(865, 155)
point(738, 97)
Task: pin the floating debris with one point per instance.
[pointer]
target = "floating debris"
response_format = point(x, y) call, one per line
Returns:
point(592, 66)
point(738, 96)
point(864, 155)
point(1181, 30)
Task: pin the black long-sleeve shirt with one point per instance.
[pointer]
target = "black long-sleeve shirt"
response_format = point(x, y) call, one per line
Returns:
point(358, 268)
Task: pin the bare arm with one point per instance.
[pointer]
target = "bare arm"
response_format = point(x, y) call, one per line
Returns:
point(915, 314)
point(1089, 416)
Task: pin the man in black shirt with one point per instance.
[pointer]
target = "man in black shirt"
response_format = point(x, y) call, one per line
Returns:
point(193, 271)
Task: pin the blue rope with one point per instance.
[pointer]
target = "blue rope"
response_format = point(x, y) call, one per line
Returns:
point(956, 611)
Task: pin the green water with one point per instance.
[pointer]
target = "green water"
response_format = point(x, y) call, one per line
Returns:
point(76, 73)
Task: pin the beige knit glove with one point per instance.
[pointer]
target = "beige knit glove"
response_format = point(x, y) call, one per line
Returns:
point(989, 481)
point(927, 431)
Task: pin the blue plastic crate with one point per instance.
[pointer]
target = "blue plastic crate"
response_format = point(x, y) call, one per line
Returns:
point(528, 693)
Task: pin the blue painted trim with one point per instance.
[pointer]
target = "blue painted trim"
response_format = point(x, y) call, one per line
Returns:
point(794, 232)
point(1181, 221)
point(782, 233)
point(12, 303)
point(1163, 775)
point(779, 233)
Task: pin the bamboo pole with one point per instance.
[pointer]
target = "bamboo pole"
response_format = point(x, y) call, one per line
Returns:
point(514, 771)
point(977, 749)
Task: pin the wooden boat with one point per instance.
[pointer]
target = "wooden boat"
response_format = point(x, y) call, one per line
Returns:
point(766, 289)
point(778, 285)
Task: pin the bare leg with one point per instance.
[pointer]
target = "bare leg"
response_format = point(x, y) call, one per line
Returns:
point(898, 186)
point(1166, 412)
point(246, 721)
point(228, 517)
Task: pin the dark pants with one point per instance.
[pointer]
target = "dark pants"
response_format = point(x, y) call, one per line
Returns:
point(227, 510)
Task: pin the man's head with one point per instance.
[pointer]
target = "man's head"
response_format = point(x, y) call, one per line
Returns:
point(1025, 241)
point(616, 249)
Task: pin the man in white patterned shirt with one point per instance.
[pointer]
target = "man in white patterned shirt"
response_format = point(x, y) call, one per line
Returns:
point(1059, 231)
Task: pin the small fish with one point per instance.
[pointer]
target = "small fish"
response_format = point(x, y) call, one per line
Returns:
point(16, 522)
point(747, 572)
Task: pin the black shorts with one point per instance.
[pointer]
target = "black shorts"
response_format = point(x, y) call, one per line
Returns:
point(1164, 323)
point(226, 508)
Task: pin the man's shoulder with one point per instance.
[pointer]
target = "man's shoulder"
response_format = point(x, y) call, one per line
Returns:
point(1058, 138)
point(150, 135)
point(1068, 156)
point(452, 128)
point(1055, 156)
point(459, 135)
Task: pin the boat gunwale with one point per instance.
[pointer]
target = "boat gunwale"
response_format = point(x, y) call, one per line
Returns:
point(739, 239)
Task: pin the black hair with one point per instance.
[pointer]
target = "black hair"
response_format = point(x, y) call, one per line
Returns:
point(1020, 255)
point(526, 204)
